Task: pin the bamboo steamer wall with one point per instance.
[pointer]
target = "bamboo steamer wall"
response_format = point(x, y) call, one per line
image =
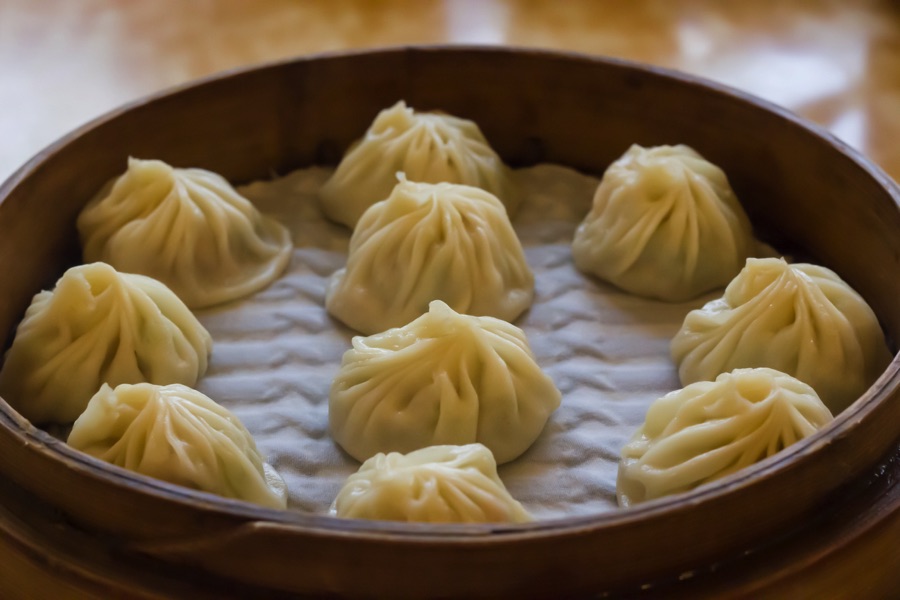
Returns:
point(800, 187)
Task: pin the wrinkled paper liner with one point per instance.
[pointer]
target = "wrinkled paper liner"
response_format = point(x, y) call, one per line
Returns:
point(276, 352)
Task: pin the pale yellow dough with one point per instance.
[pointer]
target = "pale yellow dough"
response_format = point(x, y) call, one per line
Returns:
point(711, 429)
point(439, 484)
point(99, 326)
point(429, 242)
point(444, 378)
point(186, 227)
point(664, 224)
point(801, 319)
point(428, 147)
point(176, 434)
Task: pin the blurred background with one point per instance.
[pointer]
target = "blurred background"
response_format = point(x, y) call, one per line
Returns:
point(63, 62)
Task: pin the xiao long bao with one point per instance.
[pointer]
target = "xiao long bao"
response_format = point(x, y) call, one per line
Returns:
point(439, 484)
point(428, 147)
point(444, 378)
point(429, 242)
point(186, 227)
point(711, 429)
point(801, 319)
point(664, 224)
point(96, 326)
point(178, 435)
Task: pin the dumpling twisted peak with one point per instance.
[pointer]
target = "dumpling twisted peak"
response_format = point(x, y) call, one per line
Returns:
point(178, 435)
point(711, 429)
point(801, 319)
point(439, 484)
point(99, 326)
point(444, 378)
point(187, 228)
point(428, 147)
point(429, 242)
point(664, 224)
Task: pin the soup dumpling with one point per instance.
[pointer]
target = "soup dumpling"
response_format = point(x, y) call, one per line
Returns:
point(179, 435)
point(430, 147)
point(664, 224)
point(801, 319)
point(444, 378)
point(99, 326)
point(187, 228)
point(438, 484)
point(429, 242)
point(711, 429)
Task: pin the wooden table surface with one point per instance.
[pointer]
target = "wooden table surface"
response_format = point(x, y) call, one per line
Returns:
point(834, 62)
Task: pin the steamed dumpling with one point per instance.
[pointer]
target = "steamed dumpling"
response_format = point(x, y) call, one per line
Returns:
point(431, 242)
point(445, 378)
point(440, 484)
point(428, 147)
point(665, 224)
point(187, 228)
point(711, 429)
point(99, 326)
point(801, 319)
point(177, 434)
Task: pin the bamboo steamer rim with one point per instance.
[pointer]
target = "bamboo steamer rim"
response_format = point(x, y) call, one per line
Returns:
point(867, 407)
point(38, 440)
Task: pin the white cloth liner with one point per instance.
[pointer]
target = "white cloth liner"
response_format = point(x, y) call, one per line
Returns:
point(276, 352)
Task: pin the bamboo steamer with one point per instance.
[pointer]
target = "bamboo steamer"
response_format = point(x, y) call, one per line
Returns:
point(73, 524)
